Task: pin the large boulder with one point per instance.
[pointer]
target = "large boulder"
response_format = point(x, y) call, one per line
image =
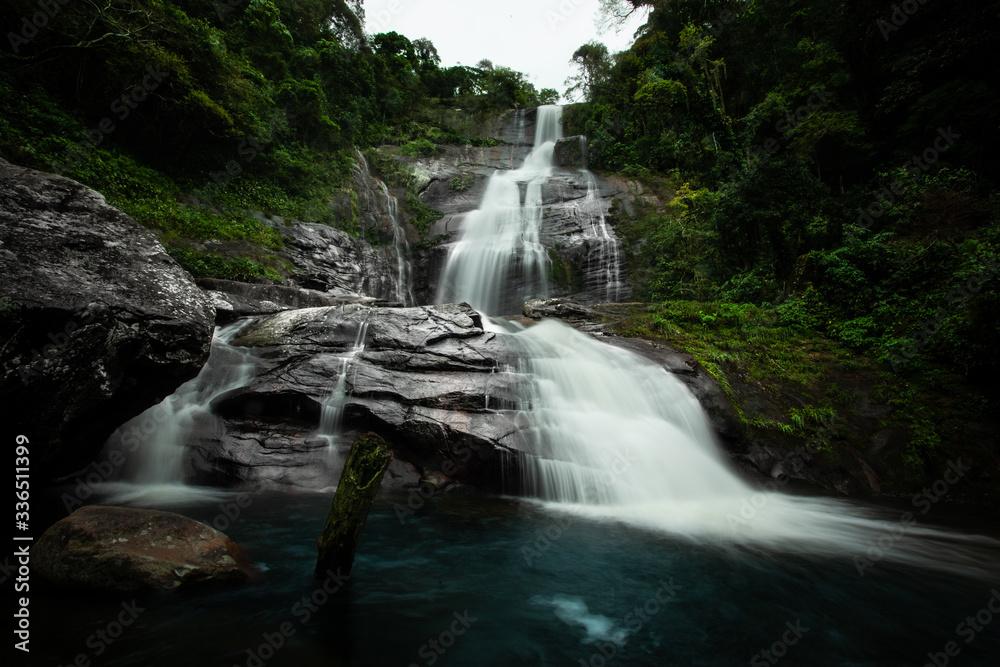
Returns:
point(435, 382)
point(431, 380)
point(559, 308)
point(98, 323)
point(126, 549)
point(571, 153)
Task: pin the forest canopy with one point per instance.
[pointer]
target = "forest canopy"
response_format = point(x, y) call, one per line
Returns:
point(833, 157)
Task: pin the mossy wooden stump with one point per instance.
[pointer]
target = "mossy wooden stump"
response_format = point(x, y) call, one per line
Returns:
point(366, 464)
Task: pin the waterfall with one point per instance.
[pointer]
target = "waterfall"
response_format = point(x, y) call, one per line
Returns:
point(499, 261)
point(611, 435)
point(153, 444)
point(332, 410)
point(604, 266)
point(610, 428)
point(386, 203)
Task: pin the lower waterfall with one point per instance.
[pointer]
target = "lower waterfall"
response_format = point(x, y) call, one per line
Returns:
point(613, 436)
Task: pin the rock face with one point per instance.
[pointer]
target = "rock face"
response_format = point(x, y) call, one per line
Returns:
point(563, 309)
point(431, 380)
point(125, 549)
point(571, 153)
point(235, 300)
point(581, 245)
point(574, 229)
point(98, 322)
point(330, 261)
point(428, 380)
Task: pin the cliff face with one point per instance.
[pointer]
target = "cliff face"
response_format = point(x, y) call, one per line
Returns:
point(98, 322)
point(585, 256)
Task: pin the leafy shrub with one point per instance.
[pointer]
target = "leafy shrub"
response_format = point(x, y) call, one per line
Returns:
point(419, 148)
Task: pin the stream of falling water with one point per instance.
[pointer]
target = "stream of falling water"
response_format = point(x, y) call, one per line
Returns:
point(604, 262)
point(499, 261)
point(153, 444)
point(332, 410)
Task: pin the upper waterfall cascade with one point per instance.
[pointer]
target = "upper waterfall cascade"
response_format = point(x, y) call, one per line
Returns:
point(499, 260)
point(379, 199)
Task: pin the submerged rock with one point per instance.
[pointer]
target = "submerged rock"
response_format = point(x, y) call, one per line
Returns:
point(98, 322)
point(126, 549)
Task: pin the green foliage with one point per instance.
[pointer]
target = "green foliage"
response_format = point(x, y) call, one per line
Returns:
point(777, 141)
point(419, 148)
point(462, 182)
point(422, 216)
point(254, 107)
point(208, 265)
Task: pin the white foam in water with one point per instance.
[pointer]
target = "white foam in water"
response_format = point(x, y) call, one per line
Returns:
point(572, 610)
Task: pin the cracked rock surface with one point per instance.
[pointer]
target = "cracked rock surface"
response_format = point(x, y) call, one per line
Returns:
point(430, 380)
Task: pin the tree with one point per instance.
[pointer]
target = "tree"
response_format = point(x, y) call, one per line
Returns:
point(427, 53)
point(614, 13)
point(595, 67)
point(548, 96)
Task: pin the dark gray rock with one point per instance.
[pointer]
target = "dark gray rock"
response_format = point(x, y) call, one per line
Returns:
point(330, 261)
point(564, 309)
point(571, 153)
point(98, 322)
point(235, 300)
point(430, 380)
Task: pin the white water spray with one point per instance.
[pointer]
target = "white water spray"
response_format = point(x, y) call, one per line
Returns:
point(616, 437)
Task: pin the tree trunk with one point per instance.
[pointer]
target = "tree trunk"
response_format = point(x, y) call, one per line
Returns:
point(366, 464)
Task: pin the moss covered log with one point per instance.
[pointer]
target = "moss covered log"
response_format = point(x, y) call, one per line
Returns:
point(366, 464)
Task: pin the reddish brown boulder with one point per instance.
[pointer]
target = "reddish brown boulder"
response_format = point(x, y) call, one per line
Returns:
point(125, 549)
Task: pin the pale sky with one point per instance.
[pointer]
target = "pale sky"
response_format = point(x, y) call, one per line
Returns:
point(537, 37)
